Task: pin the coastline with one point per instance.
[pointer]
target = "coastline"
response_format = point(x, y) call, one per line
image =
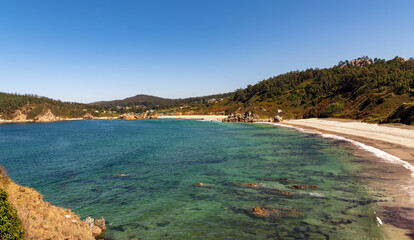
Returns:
point(388, 169)
point(206, 117)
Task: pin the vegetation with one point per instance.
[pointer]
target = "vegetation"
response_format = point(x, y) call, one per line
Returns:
point(364, 88)
point(360, 89)
point(33, 105)
point(10, 225)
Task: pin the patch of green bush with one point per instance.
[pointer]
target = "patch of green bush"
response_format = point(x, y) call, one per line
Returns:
point(10, 225)
point(331, 109)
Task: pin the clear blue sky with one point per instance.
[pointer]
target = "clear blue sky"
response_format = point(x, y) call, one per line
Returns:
point(87, 51)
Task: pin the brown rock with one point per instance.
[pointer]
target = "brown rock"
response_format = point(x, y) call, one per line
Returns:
point(100, 223)
point(96, 231)
point(45, 116)
point(88, 116)
point(18, 116)
point(260, 211)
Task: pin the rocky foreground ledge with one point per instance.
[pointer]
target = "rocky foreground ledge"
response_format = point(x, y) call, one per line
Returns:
point(41, 220)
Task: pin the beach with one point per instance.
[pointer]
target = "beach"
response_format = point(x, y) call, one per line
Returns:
point(207, 117)
point(389, 151)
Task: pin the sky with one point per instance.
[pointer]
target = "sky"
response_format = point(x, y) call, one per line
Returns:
point(95, 50)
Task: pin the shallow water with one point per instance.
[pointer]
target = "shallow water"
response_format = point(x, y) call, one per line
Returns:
point(73, 164)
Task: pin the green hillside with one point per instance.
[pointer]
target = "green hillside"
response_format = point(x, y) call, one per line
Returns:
point(365, 89)
point(32, 105)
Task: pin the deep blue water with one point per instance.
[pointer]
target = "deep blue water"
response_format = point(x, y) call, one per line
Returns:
point(73, 165)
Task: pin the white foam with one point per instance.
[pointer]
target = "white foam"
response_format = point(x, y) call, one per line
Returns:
point(375, 151)
point(209, 120)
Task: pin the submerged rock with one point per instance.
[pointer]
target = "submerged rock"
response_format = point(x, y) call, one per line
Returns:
point(269, 212)
point(304, 186)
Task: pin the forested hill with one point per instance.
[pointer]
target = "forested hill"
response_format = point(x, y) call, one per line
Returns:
point(368, 89)
point(33, 105)
point(151, 101)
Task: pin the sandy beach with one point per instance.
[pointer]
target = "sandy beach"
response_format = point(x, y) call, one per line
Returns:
point(389, 169)
point(211, 117)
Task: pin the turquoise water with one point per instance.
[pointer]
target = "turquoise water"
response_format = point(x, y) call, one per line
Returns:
point(73, 164)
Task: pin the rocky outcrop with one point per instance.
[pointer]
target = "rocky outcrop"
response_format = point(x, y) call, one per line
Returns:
point(45, 116)
point(277, 119)
point(127, 116)
point(96, 226)
point(88, 116)
point(239, 117)
point(134, 116)
point(403, 114)
point(19, 116)
point(249, 117)
point(40, 219)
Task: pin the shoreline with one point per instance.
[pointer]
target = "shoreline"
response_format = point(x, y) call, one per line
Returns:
point(206, 117)
point(388, 169)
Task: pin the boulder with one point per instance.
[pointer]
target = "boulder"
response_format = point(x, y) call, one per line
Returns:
point(100, 223)
point(277, 119)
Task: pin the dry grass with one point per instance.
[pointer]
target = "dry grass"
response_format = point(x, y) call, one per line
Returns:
point(40, 219)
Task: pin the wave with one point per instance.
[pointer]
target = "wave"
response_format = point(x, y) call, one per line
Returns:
point(375, 151)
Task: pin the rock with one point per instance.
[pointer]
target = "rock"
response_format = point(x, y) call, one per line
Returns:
point(121, 175)
point(127, 116)
point(275, 213)
point(238, 117)
point(277, 119)
point(88, 116)
point(18, 116)
point(96, 231)
point(132, 116)
point(252, 185)
point(259, 211)
point(133, 239)
point(100, 223)
point(304, 186)
point(45, 116)
point(90, 222)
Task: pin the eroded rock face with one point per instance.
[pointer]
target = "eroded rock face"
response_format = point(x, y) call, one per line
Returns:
point(133, 116)
point(18, 116)
point(88, 116)
point(45, 116)
point(239, 117)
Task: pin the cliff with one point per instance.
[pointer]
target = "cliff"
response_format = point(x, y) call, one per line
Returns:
point(40, 219)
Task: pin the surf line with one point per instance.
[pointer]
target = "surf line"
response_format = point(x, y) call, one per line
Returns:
point(375, 151)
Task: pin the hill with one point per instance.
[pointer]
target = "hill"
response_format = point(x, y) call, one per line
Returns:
point(27, 107)
point(367, 89)
point(152, 101)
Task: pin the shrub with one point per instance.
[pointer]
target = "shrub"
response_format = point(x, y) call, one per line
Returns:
point(332, 109)
point(10, 225)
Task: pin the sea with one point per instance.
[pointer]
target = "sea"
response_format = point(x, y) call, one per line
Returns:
point(192, 179)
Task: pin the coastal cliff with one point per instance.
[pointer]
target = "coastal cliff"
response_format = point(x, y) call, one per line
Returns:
point(40, 219)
